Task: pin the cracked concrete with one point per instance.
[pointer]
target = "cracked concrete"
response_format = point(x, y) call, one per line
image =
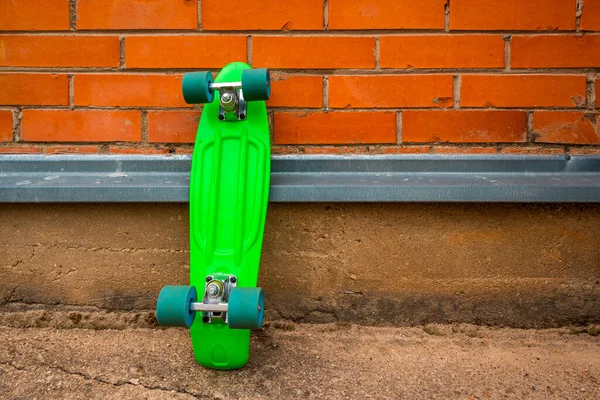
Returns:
point(75, 385)
point(22, 315)
point(292, 361)
point(117, 383)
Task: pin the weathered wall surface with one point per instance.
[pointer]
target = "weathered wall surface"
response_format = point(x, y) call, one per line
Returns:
point(400, 264)
point(349, 76)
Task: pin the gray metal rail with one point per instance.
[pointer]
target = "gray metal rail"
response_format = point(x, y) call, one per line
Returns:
point(405, 178)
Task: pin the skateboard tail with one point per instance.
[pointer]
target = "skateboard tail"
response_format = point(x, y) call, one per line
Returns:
point(218, 347)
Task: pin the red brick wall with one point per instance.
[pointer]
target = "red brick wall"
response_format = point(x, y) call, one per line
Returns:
point(350, 76)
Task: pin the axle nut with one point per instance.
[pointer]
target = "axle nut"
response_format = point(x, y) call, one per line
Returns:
point(228, 101)
point(214, 289)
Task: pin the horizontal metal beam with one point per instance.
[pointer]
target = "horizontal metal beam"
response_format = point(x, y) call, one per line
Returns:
point(405, 178)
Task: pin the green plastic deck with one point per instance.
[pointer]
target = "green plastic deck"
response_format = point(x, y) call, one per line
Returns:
point(229, 189)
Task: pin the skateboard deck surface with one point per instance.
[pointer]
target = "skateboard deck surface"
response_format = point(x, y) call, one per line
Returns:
point(229, 188)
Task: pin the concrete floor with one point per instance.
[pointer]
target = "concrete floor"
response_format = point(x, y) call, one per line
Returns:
point(293, 361)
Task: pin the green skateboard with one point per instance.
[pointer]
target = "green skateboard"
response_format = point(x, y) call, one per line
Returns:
point(229, 190)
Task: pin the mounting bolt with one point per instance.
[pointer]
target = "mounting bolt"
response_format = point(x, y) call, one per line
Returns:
point(233, 279)
point(205, 319)
point(208, 278)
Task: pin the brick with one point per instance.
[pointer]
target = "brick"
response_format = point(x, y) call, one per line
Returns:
point(71, 149)
point(442, 51)
point(465, 150)
point(183, 51)
point(322, 150)
point(584, 151)
point(296, 91)
point(184, 151)
point(20, 150)
point(523, 91)
point(386, 14)
point(6, 126)
point(284, 149)
point(136, 14)
point(34, 89)
point(231, 15)
point(406, 150)
point(355, 91)
point(173, 126)
point(590, 17)
point(123, 90)
point(137, 150)
point(464, 126)
point(532, 150)
point(537, 15)
point(597, 93)
point(59, 51)
point(46, 15)
point(335, 150)
point(81, 126)
point(334, 127)
point(315, 52)
point(564, 51)
point(566, 127)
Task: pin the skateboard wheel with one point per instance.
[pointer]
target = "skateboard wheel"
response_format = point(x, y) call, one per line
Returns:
point(246, 308)
point(196, 87)
point(173, 306)
point(256, 84)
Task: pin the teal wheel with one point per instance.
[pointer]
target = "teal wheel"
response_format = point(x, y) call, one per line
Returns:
point(246, 308)
point(196, 87)
point(256, 84)
point(173, 306)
